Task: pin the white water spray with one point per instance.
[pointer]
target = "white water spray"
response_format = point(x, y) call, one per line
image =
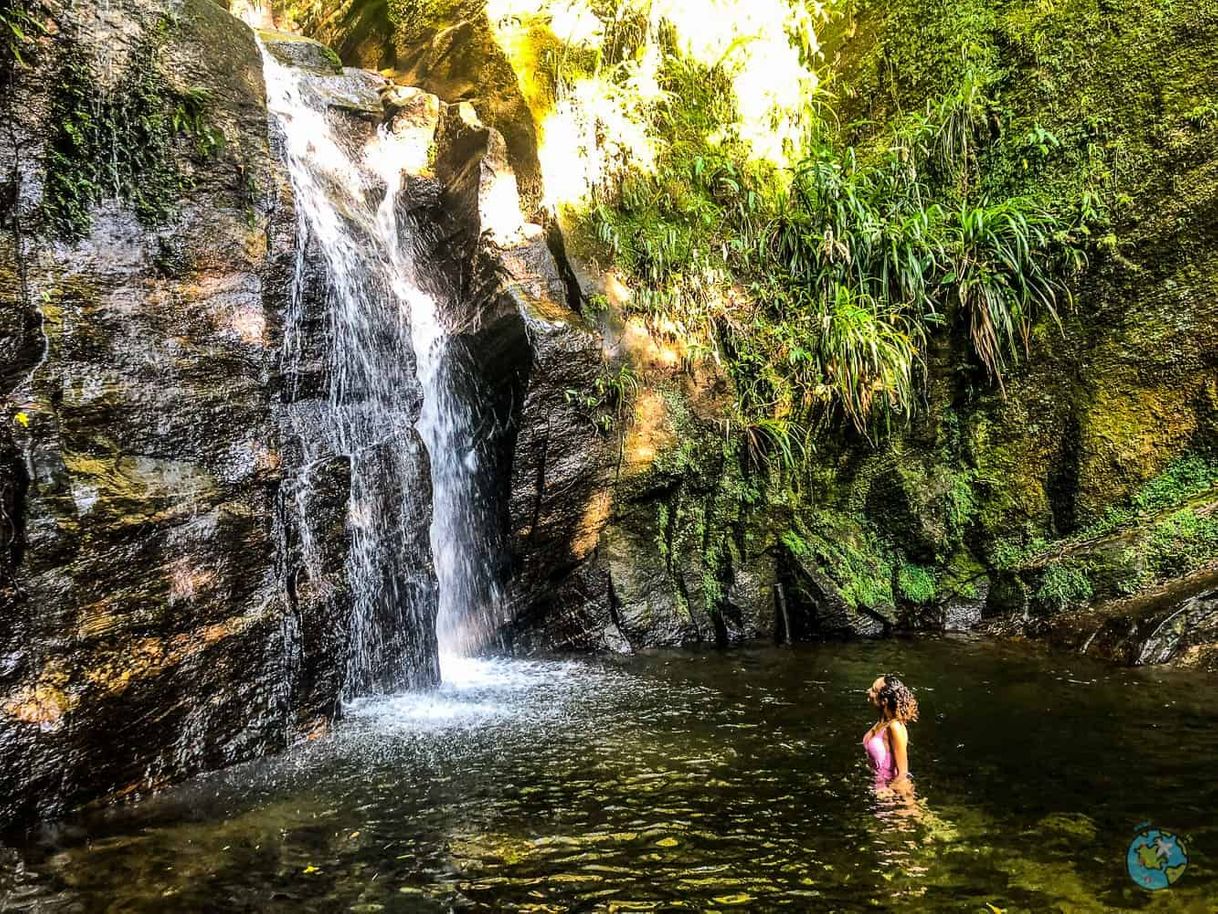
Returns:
point(384, 330)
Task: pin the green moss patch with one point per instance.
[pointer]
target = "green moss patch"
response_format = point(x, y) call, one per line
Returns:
point(122, 143)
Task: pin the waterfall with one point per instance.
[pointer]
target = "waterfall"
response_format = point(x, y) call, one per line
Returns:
point(369, 405)
point(385, 334)
point(463, 540)
point(463, 529)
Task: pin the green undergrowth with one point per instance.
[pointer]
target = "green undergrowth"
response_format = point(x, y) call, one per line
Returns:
point(612, 392)
point(1063, 584)
point(916, 583)
point(1166, 530)
point(871, 570)
point(820, 285)
point(21, 23)
point(1171, 547)
point(1178, 543)
point(1189, 478)
point(858, 561)
point(124, 143)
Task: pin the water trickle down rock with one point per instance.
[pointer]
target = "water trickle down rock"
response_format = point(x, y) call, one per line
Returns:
point(143, 622)
point(358, 401)
point(546, 469)
point(182, 567)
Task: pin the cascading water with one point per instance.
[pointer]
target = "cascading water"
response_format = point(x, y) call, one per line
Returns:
point(463, 530)
point(463, 540)
point(384, 334)
point(368, 410)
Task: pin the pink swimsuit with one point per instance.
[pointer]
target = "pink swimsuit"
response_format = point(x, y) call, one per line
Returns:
point(883, 763)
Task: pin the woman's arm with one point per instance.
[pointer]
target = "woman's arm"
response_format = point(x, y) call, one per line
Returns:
point(899, 737)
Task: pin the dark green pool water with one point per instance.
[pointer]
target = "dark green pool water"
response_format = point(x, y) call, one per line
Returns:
point(684, 781)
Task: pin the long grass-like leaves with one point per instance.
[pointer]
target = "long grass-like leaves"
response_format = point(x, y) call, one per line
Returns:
point(1003, 275)
point(840, 270)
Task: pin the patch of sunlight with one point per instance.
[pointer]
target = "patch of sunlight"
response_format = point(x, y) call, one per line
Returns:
point(595, 517)
point(499, 209)
point(253, 13)
point(595, 133)
point(752, 41)
point(187, 582)
point(595, 123)
point(649, 431)
point(570, 21)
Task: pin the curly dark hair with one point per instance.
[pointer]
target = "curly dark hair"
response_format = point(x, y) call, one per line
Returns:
point(899, 699)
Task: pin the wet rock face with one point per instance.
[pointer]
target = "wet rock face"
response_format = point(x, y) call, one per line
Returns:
point(578, 518)
point(608, 542)
point(522, 352)
point(1177, 623)
point(445, 47)
point(817, 608)
point(631, 522)
point(301, 53)
point(158, 613)
point(143, 628)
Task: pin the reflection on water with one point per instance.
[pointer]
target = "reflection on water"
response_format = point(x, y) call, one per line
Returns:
point(681, 781)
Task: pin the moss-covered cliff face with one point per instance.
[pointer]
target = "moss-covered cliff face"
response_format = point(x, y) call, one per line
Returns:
point(1124, 389)
point(143, 286)
point(1102, 443)
point(1065, 460)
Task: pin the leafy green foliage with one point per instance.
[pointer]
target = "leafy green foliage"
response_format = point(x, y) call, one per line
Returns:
point(1004, 272)
point(1202, 115)
point(820, 287)
point(1179, 543)
point(1062, 585)
point(122, 143)
point(854, 557)
point(916, 584)
point(20, 24)
point(775, 442)
point(611, 392)
point(961, 504)
point(1183, 479)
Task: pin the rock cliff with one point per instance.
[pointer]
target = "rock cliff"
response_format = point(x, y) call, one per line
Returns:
point(660, 523)
point(175, 576)
point(176, 572)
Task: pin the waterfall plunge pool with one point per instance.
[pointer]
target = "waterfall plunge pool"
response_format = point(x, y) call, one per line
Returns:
point(681, 781)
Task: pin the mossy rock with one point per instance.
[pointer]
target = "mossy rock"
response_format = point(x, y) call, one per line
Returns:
point(301, 53)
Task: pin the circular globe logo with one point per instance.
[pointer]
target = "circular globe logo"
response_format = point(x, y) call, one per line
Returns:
point(1156, 858)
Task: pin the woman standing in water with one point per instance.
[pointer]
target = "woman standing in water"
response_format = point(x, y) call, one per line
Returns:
point(887, 742)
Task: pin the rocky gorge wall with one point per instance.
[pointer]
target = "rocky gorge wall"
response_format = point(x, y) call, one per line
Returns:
point(176, 581)
point(178, 589)
point(160, 616)
point(143, 623)
point(1078, 493)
